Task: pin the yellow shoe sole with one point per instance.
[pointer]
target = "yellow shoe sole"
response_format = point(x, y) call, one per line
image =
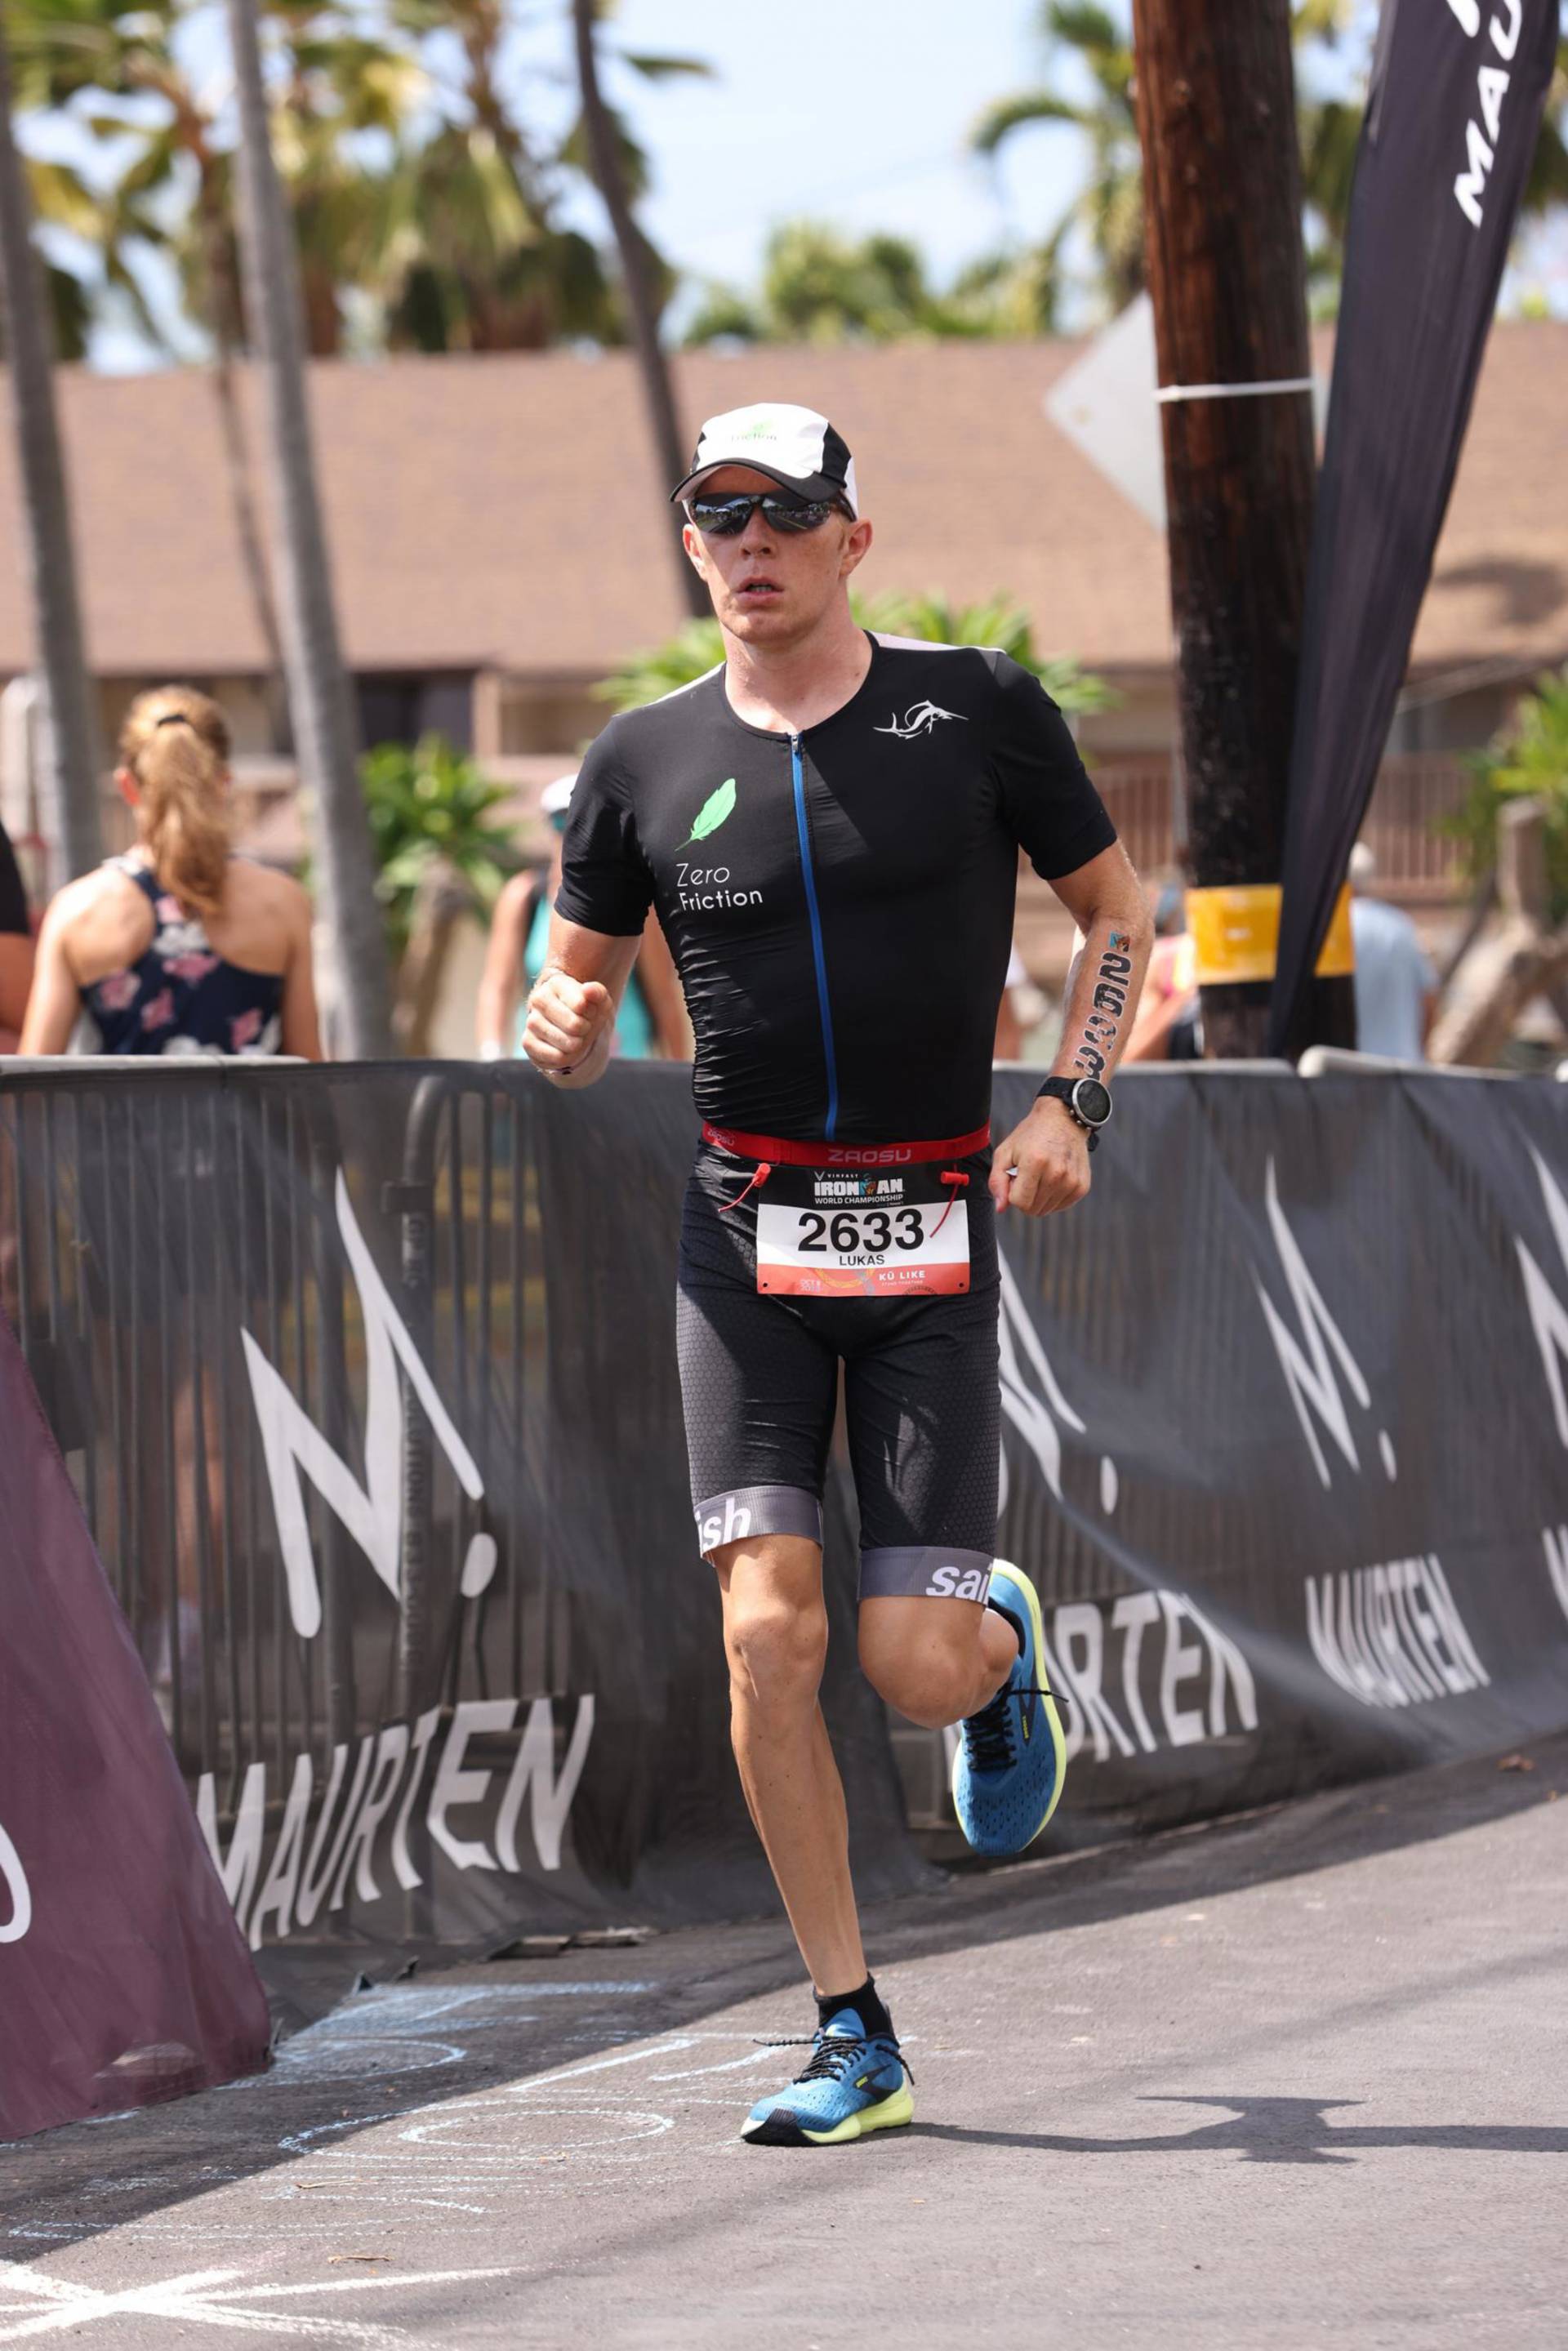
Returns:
point(1052, 1719)
point(891, 2114)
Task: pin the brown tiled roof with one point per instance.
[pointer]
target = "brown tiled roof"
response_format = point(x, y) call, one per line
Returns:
point(498, 512)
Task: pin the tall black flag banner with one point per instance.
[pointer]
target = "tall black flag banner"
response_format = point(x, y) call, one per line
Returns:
point(1455, 106)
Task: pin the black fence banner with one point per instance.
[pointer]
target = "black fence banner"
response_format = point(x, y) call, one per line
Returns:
point(366, 1378)
point(123, 1979)
point(1452, 117)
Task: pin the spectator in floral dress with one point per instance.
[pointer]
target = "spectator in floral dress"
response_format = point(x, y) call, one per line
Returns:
point(180, 946)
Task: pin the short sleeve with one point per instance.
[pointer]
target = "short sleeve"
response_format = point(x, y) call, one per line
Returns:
point(605, 881)
point(13, 896)
point(1048, 801)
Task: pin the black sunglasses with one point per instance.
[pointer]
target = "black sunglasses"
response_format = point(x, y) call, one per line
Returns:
point(725, 517)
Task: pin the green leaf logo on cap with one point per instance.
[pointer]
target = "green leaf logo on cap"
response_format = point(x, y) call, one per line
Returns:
point(713, 812)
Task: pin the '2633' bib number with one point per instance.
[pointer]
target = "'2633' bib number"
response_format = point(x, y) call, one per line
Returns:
point(826, 1234)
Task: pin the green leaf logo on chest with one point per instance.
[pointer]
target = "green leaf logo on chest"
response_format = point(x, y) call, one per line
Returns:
point(713, 812)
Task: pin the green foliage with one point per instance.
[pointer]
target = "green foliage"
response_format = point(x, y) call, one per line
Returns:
point(1088, 50)
point(426, 803)
point(1531, 762)
point(428, 205)
point(820, 287)
point(999, 623)
point(1095, 45)
point(697, 647)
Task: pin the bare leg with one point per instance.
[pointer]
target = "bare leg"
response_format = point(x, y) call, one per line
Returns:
point(775, 1638)
point(934, 1660)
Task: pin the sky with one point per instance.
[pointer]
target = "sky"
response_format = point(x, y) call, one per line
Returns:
point(859, 116)
point(855, 110)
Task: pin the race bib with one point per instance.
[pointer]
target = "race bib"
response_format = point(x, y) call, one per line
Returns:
point(821, 1233)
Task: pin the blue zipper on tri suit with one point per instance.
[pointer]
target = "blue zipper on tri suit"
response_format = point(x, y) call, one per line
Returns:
point(797, 777)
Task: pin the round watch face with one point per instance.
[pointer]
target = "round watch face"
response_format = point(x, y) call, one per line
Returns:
point(1091, 1101)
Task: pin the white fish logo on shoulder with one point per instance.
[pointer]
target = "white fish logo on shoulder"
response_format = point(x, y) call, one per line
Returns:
point(295, 1448)
point(1308, 1362)
point(919, 719)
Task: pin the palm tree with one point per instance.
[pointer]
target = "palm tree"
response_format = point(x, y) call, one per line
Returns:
point(465, 252)
point(1111, 207)
point(318, 688)
point(442, 855)
point(637, 279)
point(820, 287)
point(71, 750)
point(102, 50)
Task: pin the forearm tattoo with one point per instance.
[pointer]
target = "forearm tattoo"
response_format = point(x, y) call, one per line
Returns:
point(1109, 1008)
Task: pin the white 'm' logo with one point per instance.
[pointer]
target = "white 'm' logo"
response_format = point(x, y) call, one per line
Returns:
point(1308, 1368)
point(295, 1446)
point(1035, 1404)
point(918, 720)
point(1547, 1311)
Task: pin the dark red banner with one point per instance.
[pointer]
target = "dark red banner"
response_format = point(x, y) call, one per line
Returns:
point(123, 1978)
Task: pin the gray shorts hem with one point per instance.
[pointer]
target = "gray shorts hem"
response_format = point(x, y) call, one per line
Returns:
point(924, 1572)
point(744, 1511)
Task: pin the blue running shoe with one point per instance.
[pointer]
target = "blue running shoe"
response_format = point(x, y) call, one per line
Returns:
point(1011, 1760)
point(852, 2084)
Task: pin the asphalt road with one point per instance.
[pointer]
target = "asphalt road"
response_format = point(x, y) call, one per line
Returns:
point(1293, 2080)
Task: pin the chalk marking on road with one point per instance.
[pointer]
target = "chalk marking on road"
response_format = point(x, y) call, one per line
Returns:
point(357, 2053)
point(672, 2048)
point(211, 2298)
point(725, 2065)
point(467, 2156)
point(636, 2124)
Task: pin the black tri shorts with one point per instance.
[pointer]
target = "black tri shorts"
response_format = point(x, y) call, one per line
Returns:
point(759, 1377)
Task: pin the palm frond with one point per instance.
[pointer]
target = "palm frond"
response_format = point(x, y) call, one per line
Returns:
point(998, 123)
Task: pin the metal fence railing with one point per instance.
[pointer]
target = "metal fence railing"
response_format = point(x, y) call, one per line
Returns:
point(1414, 793)
point(167, 1227)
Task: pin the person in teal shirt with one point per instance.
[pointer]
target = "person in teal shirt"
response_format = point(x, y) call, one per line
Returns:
point(519, 936)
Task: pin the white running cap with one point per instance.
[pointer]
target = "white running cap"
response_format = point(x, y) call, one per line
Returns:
point(555, 798)
point(793, 446)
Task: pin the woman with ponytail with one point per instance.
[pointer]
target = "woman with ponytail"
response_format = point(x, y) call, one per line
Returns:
point(179, 946)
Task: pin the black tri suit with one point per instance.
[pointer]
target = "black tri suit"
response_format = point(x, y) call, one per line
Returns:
point(838, 905)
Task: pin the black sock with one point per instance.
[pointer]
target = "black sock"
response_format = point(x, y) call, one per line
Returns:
point(867, 2004)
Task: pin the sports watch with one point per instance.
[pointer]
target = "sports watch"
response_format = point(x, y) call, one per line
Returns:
point(1088, 1102)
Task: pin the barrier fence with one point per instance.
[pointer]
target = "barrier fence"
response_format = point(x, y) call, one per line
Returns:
point(365, 1378)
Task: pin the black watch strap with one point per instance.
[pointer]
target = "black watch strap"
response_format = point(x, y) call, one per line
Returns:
point(1062, 1090)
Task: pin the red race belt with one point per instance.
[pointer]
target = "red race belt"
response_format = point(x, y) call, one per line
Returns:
point(779, 1152)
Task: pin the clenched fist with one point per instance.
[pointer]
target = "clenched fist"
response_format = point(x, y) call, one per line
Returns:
point(568, 1024)
point(1043, 1165)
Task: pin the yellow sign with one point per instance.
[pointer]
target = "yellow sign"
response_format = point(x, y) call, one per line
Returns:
point(1236, 932)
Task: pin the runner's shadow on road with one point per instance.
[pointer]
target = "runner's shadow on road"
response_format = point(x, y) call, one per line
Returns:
point(1275, 2130)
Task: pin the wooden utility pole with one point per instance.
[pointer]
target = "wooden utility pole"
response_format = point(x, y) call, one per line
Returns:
point(1216, 118)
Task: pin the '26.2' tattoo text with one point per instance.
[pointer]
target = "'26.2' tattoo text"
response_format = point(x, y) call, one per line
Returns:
point(1104, 1022)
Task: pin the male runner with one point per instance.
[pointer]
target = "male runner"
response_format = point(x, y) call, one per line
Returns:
point(828, 825)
